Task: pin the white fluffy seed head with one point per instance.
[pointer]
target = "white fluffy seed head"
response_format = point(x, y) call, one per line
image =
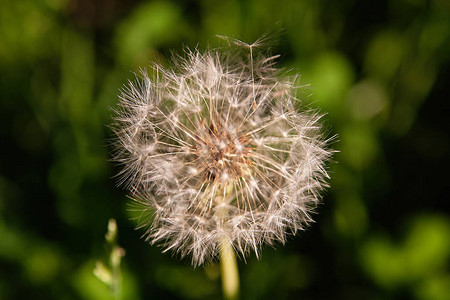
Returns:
point(217, 149)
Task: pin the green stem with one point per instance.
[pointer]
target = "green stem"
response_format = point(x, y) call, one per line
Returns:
point(117, 282)
point(229, 271)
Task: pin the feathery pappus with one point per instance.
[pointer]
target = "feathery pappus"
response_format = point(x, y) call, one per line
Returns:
point(219, 149)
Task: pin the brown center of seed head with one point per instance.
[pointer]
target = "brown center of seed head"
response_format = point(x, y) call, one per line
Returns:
point(223, 155)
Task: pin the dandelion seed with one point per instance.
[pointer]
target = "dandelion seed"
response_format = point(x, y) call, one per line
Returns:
point(217, 149)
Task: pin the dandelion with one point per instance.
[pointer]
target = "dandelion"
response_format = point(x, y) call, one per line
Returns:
point(218, 150)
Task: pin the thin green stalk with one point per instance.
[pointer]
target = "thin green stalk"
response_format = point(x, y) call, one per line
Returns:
point(110, 273)
point(229, 271)
point(228, 265)
point(116, 283)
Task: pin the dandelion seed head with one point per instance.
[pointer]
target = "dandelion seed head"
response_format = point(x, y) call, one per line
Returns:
point(217, 149)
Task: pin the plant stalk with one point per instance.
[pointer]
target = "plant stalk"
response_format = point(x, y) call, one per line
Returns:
point(228, 266)
point(229, 271)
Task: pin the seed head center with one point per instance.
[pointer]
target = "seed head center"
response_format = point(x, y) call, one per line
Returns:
point(223, 155)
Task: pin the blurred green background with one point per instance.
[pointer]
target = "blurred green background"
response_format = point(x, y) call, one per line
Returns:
point(380, 69)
